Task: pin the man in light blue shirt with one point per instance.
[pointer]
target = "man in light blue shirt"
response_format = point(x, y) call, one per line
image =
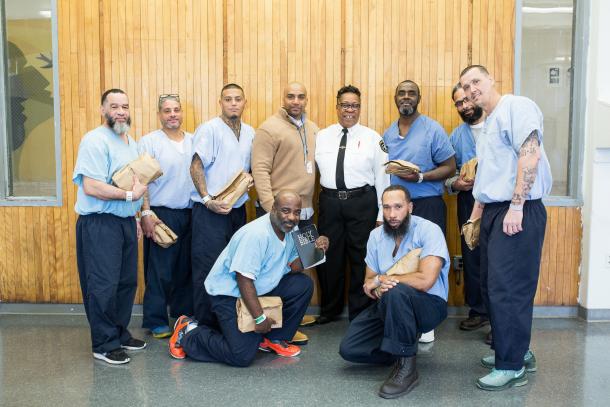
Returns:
point(260, 260)
point(221, 149)
point(422, 141)
point(513, 176)
point(407, 305)
point(107, 232)
point(168, 270)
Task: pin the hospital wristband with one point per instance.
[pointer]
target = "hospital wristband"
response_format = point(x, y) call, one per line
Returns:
point(260, 319)
point(516, 207)
point(128, 196)
point(147, 212)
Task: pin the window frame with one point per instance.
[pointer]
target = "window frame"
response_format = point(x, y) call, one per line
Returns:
point(580, 44)
point(5, 199)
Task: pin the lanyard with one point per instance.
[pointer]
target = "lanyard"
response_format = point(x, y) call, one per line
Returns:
point(303, 138)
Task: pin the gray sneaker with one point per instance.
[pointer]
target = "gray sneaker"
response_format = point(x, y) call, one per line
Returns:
point(502, 379)
point(529, 361)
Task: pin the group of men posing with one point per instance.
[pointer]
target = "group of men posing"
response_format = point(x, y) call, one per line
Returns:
point(365, 216)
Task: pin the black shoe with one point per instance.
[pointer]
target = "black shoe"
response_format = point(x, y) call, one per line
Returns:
point(402, 380)
point(474, 322)
point(488, 338)
point(322, 319)
point(114, 357)
point(133, 344)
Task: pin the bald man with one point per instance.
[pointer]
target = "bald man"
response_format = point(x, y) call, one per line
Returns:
point(260, 260)
point(283, 157)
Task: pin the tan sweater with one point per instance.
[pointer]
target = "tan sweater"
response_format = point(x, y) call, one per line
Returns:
point(278, 161)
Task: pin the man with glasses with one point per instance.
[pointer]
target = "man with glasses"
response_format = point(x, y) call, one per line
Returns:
point(422, 141)
point(221, 149)
point(168, 270)
point(350, 159)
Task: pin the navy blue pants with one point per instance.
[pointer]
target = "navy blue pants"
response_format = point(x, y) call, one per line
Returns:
point(390, 327)
point(471, 260)
point(167, 272)
point(211, 234)
point(107, 259)
point(432, 208)
point(227, 344)
point(510, 266)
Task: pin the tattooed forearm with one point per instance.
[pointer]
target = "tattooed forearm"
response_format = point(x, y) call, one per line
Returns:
point(529, 177)
point(517, 199)
point(527, 168)
point(198, 176)
point(531, 145)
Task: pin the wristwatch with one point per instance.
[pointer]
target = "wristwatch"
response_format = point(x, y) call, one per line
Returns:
point(421, 178)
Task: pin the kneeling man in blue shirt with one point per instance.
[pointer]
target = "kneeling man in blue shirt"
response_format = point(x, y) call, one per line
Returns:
point(260, 260)
point(407, 305)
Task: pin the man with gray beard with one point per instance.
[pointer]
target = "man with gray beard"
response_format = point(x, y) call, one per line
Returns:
point(107, 232)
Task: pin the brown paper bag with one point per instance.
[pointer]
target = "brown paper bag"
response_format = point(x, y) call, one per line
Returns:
point(164, 236)
point(471, 230)
point(234, 189)
point(409, 263)
point(401, 167)
point(272, 308)
point(145, 167)
point(469, 170)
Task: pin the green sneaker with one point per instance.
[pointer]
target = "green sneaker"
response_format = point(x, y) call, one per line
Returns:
point(502, 379)
point(529, 361)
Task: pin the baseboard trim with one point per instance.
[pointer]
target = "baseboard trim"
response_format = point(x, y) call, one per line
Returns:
point(593, 314)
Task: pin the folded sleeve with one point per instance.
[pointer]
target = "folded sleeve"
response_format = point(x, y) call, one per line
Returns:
point(93, 161)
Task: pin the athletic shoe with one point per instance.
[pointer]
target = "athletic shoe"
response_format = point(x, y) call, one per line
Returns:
point(114, 357)
point(308, 320)
point(133, 344)
point(502, 379)
point(299, 338)
point(161, 332)
point(529, 361)
point(175, 347)
point(427, 337)
point(279, 347)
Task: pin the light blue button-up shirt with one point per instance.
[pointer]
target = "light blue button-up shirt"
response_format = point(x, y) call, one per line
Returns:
point(222, 155)
point(421, 234)
point(427, 145)
point(174, 188)
point(256, 252)
point(463, 143)
point(505, 130)
point(101, 153)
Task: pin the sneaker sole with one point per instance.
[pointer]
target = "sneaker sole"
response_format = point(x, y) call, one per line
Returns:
point(395, 396)
point(177, 357)
point(162, 336)
point(528, 369)
point(133, 347)
point(101, 357)
point(268, 350)
point(516, 382)
point(300, 343)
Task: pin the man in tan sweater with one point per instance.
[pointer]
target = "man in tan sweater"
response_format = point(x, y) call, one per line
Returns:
point(283, 158)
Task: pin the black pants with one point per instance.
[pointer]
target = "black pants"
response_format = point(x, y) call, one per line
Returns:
point(510, 266)
point(347, 224)
point(471, 260)
point(107, 258)
point(211, 234)
point(390, 327)
point(167, 272)
point(229, 345)
point(432, 208)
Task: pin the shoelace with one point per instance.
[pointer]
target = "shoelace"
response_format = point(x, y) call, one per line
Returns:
point(399, 373)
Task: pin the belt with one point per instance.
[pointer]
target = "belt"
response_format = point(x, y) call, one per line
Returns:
point(344, 194)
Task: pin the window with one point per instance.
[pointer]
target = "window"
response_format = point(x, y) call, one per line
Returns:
point(29, 114)
point(546, 56)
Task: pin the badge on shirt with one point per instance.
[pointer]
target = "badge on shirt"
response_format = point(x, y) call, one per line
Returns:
point(384, 148)
point(309, 167)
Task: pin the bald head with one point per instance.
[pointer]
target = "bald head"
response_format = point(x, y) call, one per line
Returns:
point(285, 212)
point(286, 195)
point(295, 99)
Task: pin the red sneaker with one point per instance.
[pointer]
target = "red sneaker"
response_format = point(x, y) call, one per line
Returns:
point(281, 348)
point(175, 348)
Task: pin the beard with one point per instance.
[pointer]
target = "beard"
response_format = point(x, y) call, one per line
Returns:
point(407, 110)
point(400, 230)
point(474, 117)
point(118, 128)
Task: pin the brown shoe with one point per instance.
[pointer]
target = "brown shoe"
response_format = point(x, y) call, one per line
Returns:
point(299, 338)
point(307, 320)
point(474, 322)
point(402, 380)
point(488, 338)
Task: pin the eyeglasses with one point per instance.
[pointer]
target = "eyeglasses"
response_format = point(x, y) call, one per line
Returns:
point(168, 96)
point(460, 103)
point(345, 106)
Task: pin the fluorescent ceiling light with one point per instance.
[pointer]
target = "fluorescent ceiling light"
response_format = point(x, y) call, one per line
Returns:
point(547, 10)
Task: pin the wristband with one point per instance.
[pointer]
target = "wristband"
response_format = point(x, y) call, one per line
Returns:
point(376, 280)
point(147, 212)
point(516, 207)
point(206, 199)
point(128, 196)
point(421, 178)
point(260, 319)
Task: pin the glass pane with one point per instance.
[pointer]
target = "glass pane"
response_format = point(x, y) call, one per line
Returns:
point(29, 98)
point(546, 77)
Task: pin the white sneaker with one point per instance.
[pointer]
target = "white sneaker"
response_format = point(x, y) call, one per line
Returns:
point(427, 337)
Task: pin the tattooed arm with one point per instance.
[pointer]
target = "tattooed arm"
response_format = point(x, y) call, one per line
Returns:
point(198, 176)
point(527, 168)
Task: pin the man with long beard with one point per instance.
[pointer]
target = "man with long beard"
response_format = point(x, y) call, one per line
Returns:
point(107, 232)
point(464, 139)
point(406, 305)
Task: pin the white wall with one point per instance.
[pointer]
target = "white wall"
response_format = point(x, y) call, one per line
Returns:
point(595, 272)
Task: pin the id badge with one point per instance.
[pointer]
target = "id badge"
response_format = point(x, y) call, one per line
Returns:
point(309, 167)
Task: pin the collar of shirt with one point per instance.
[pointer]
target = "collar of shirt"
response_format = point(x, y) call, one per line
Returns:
point(298, 123)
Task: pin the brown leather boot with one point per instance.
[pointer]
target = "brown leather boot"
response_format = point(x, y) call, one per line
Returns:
point(402, 380)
